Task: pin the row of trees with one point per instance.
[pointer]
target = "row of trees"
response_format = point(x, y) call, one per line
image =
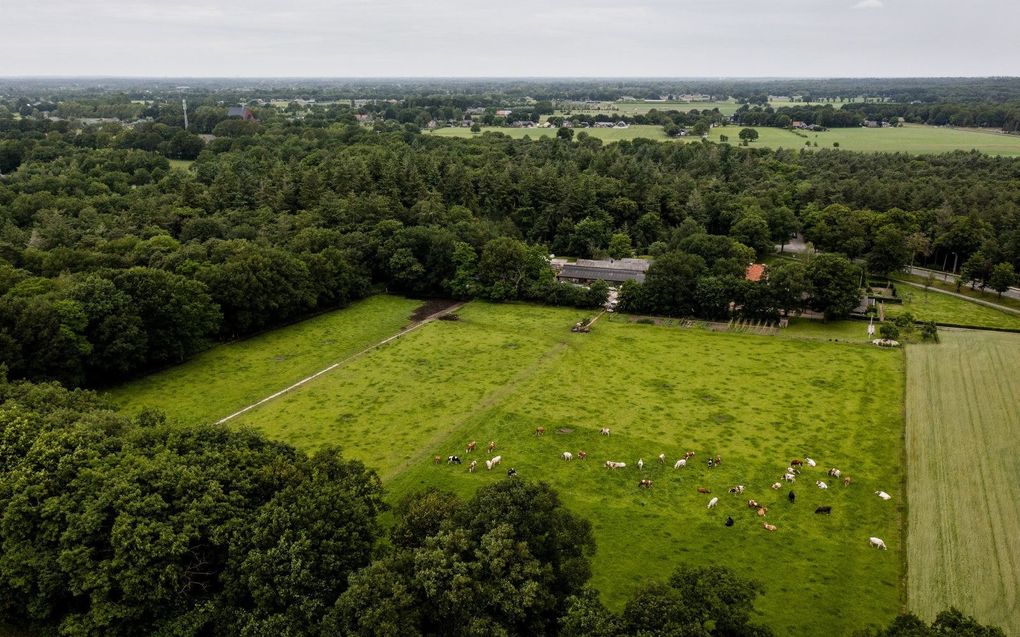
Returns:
point(784, 116)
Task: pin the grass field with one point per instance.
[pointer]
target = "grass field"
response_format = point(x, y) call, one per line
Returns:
point(605, 134)
point(963, 445)
point(966, 290)
point(942, 308)
point(182, 164)
point(758, 401)
point(227, 377)
point(727, 107)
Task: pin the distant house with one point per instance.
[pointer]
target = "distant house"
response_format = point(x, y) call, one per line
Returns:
point(612, 271)
point(241, 111)
point(503, 112)
point(621, 124)
point(799, 124)
point(363, 117)
point(755, 272)
point(870, 123)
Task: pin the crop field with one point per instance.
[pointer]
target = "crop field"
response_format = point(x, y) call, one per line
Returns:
point(963, 445)
point(225, 378)
point(942, 308)
point(758, 401)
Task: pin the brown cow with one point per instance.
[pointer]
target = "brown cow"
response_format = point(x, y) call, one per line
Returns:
point(718, 460)
point(752, 504)
point(645, 484)
point(539, 431)
point(581, 455)
point(704, 490)
point(762, 511)
point(492, 445)
point(796, 463)
point(688, 454)
point(769, 527)
point(470, 446)
point(437, 460)
point(847, 481)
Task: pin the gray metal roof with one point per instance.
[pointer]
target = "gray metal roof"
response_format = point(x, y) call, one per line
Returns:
point(609, 275)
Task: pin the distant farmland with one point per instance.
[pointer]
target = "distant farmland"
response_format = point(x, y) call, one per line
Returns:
point(963, 445)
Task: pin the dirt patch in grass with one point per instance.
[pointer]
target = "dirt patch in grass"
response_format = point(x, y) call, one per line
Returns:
point(430, 307)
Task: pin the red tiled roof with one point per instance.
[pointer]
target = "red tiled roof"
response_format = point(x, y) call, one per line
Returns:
point(754, 272)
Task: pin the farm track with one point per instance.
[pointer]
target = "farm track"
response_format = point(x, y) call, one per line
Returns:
point(308, 379)
point(963, 444)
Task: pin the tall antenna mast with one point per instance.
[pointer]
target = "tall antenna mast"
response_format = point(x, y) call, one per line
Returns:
point(184, 105)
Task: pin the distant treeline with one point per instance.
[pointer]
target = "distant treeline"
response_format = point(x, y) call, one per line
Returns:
point(984, 115)
point(785, 116)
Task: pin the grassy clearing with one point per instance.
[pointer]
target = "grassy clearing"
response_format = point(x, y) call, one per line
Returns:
point(182, 164)
point(966, 290)
point(835, 331)
point(962, 448)
point(942, 308)
point(227, 377)
point(503, 370)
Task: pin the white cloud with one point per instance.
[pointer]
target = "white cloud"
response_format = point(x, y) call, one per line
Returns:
point(869, 4)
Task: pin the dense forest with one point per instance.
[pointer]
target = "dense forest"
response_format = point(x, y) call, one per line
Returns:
point(115, 262)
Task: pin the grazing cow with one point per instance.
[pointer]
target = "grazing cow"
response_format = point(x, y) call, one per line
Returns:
point(821, 485)
point(769, 527)
point(470, 446)
point(824, 509)
point(729, 521)
point(473, 466)
point(688, 454)
point(762, 511)
point(581, 455)
point(718, 460)
point(713, 502)
point(810, 462)
point(680, 463)
point(511, 472)
point(789, 477)
point(791, 496)
point(437, 460)
point(847, 481)
point(662, 458)
point(777, 485)
point(492, 446)
point(877, 542)
point(489, 464)
point(640, 464)
point(604, 431)
point(883, 495)
point(796, 463)
point(737, 490)
point(567, 455)
point(704, 490)
point(453, 460)
point(752, 504)
point(835, 473)
point(539, 431)
point(645, 484)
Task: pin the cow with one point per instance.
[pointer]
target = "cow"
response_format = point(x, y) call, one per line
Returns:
point(704, 490)
point(511, 472)
point(470, 446)
point(883, 495)
point(688, 454)
point(847, 481)
point(713, 502)
point(824, 509)
point(473, 466)
point(581, 455)
point(437, 459)
point(796, 463)
point(777, 485)
point(645, 484)
point(877, 543)
point(566, 455)
point(835, 473)
point(615, 465)
point(762, 511)
point(711, 463)
point(662, 458)
point(769, 527)
point(737, 490)
point(680, 463)
point(539, 431)
point(640, 464)
point(604, 431)
point(489, 464)
point(453, 460)
point(729, 521)
point(792, 470)
point(752, 504)
point(821, 485)
point(789, 477)
point(791, 496)
point(492, 446)
point(810, 462)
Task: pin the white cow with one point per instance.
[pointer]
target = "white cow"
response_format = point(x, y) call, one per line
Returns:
point(821, 485)
point(682, 462)
point(489, 464)
point(777, 485)
point(883, 495)
point(810, 462)
point(789, 477)
point(567, 455)
point(473, 466)
point(604, 431)
point(713, 502)
point(877, 542)
point(615, 465)
point(737, 489)
point(640, 464)
point(662, 458)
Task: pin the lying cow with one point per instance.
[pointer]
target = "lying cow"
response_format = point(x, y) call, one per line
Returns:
point(883, 495)
point(511, 472)
point(645, 484)
point(810, 462)
point(752, 504)
point(835, 473)
point(821, 485)
point(737, 490)
point(769, 527)
point(762, 511)
point(824, 509)
point(789, 477)
point(777, 485)
point(453, 460)
point(704, 490)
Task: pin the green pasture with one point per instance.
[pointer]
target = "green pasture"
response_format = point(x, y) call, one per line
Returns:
point(965, 290)
point(605, 134)
point(182, 164)
point(758, 401)
point(962, 447)
point(226, 378)
point(943, 308)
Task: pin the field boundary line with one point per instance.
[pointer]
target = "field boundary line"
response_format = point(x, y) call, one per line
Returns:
point(995, 306)
point(308, 379)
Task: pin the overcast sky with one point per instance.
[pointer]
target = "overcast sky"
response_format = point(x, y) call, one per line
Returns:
point(593, 38)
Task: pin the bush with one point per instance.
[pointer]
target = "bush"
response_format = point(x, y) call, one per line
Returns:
point(889, 331)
